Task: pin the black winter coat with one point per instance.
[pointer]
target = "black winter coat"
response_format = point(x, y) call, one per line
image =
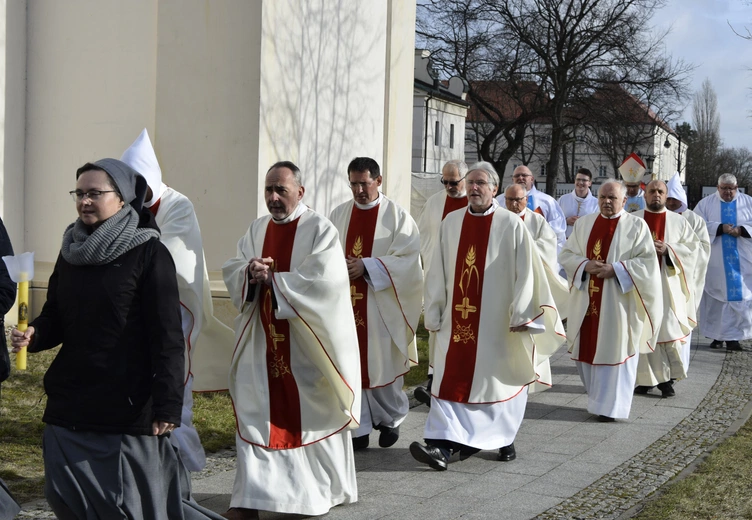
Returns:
point(121, 364)
point(7, 299)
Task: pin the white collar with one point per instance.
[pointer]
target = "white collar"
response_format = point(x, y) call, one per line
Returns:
point(371, 204)
point(298, 211)
point(622, 212)
point(494, 207)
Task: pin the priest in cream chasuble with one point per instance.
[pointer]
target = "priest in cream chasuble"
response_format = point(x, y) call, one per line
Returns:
point(615, 305)
point(294, 376)
point(208, 342)
point(487, 298)
point(676, 249)
point(677, 202)
point(381, 244)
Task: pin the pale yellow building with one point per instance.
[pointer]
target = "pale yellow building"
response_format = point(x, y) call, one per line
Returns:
point(225, 88)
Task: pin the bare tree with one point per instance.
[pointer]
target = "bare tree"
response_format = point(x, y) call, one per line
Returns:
point(572, 47)
point(707, 126)
point(465, 41)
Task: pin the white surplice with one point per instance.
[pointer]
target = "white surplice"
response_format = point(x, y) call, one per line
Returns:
point(515, 292)
point(395, 283)
point(723, 318)
point(205, 367)
point(679, 314)
point(630, 314)
point(314, 297)
point(575, 206)
point(428, 224)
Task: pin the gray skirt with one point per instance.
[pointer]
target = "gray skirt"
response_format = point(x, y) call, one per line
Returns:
point(90, 475)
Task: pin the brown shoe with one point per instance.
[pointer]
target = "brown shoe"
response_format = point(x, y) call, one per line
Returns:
point(241, 513)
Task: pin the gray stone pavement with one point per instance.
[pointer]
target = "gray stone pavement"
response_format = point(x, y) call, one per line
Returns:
point(568, 465)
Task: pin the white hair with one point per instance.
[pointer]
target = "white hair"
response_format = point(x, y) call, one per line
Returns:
point(620, 186)
point(460, 165)
point(727, 178)
point(493, 177)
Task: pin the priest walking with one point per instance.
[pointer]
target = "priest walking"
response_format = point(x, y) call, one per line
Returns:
point(615, 301)
point(381, 244)
point(437, 207)
point(676, 247)
point(488, 301)
point(726, 306)
point(677, 202)
point(295, 376)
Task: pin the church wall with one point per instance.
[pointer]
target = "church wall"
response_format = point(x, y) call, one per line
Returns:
point(207, 114)
point(91, 70)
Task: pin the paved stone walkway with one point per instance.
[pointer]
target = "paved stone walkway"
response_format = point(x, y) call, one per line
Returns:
point(569, 466)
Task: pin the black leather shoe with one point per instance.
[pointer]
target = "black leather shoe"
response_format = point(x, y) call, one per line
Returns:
point(734, 345)
point(716, 344)
point(667, 389)
point(466, 453)
point(430, 455)
point(360, 443)
point(507, 453)
point(422, 396)
point(605, 418)
point(388, 436)
point(642, 390)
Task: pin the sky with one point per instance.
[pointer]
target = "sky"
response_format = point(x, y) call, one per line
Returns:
point(700, 34)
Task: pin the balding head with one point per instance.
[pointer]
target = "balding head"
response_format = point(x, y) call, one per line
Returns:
point(515, 197)
point(523, 175)
point(655, 195)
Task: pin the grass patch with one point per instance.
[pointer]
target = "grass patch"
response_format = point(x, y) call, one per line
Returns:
point(721, 487)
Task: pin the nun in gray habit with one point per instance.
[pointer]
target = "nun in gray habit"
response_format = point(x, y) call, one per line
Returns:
point(115, 388)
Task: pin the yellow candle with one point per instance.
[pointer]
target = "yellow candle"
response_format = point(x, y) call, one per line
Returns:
point(23, 320)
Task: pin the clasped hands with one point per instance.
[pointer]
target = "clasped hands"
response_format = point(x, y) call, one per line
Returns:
point(730, 230)
point(261, 270)
point(355, 267)
point(600, 269)
point(660, 247)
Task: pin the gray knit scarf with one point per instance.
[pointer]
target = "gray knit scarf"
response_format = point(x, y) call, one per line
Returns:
point(115, 236)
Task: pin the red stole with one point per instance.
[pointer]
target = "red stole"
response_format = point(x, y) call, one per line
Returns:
point(598, 246)
point(466, 307)
point(539, 211)
point(451, 204)
point(657, 224)
point(155, 207)
point(284, 399)
point(359, 244)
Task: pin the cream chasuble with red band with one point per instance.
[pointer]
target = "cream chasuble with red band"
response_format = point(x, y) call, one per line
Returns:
point(453, 204)
point(284, 399)
point(598, 246)
point(465, 311)
point(657, 224)
point(360, 245)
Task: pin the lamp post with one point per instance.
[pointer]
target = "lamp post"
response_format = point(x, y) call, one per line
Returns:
point(667, 144)
point(649, 161)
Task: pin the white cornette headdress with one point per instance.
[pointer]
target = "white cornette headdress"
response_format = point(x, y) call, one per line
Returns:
point(141, 157)
point(632, 169)
point(675, 191)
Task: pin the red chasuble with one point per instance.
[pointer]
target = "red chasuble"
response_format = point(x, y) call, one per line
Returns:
point(598, 245)
point(466, 306)
point(284, 399)
point(359, 244)
point(451, 204)
point(657, 224)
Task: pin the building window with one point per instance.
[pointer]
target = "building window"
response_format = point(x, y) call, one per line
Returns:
point(437, 135)
point(451, 136)
point(601, 171)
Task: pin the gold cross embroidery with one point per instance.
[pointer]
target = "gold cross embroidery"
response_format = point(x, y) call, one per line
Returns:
point(276, 338)
point(593, 288)
point(354, 295)
point(465, 308)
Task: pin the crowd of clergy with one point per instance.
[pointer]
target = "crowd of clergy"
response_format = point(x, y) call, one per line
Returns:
point(329, 306)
